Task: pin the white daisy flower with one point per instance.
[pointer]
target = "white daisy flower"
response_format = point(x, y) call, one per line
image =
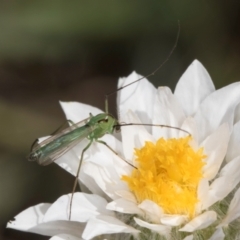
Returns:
point(184, 186)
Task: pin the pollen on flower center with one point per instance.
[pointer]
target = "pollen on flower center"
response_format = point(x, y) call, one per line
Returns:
point(168, 173)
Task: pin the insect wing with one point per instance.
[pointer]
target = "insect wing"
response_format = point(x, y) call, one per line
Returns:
point(54, 155)
point(67, 134)
point(37, 145)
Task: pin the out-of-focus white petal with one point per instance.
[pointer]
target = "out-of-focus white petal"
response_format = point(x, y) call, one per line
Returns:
point(218, 235)
point(127, 195)
point(138, 97)
point(231, 170)
point(130, 135)
point(59, 227)
point(228, 178)
point(234, 143)
point(159, 228)
point(152, 210)
point(189, 237)
point(189, 125)
point(216, 191)
point(215, 147)
point(233, 210)
point(202, 194)
point(173, 220)
point(124, 206)
point(106, 225)
point(194, 85)
point(168, 112)
point(210, 116)
point(76, 111)
point(200, 222)
point(65, 237)
point(32, 220)
point(237, 114)
point(219, 189)
point(84, 207)
point(29, 217)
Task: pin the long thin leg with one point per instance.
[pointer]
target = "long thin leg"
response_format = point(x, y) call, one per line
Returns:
point(104, 143)
point(77, 175)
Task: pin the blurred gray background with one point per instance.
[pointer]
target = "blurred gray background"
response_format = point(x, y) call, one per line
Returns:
point(75, 51)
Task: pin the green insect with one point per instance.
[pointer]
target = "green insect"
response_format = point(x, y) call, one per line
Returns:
point(92, 128)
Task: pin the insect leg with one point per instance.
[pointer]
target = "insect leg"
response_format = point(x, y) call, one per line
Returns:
point(77, 175)
point(104, 143)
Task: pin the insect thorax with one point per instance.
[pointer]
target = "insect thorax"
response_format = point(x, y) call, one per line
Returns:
point(102, 123)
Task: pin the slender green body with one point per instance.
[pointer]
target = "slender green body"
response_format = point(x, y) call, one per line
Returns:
point(53, 147)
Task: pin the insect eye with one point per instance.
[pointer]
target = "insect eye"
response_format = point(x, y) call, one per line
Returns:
point(103, 120)
point(117, 128)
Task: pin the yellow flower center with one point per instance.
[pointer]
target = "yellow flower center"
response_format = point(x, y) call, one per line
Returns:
point(168, 173)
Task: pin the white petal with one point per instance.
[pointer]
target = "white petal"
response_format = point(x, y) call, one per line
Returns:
point(29, 218)
point(189, 237)
point(101, 155)
point(173, 220)
point(215, 147)
point(216, 192)
point(234, 143)
point(233, 210)
point(194, 85)
point(138, 97)
point(89, 185)
point(231, 172)
point(106, 225)
point(152, 210)
point(228, 178)
point(130, 135)
point(70, 160)
point(203, 196)
point(127, 195)
point(200, 222)
point(124, 206)
point(168, 112)
point(64, 237)
point(76, 111)
point(159, 228)
point(216, 109)
point(107, 178)
point(59, 227)
point(237, 114)
point(84, 207)
point(218, 235)
point(190, 126)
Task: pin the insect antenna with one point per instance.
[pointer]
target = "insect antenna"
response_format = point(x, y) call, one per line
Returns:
point(151, 125)
point(147, 76)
